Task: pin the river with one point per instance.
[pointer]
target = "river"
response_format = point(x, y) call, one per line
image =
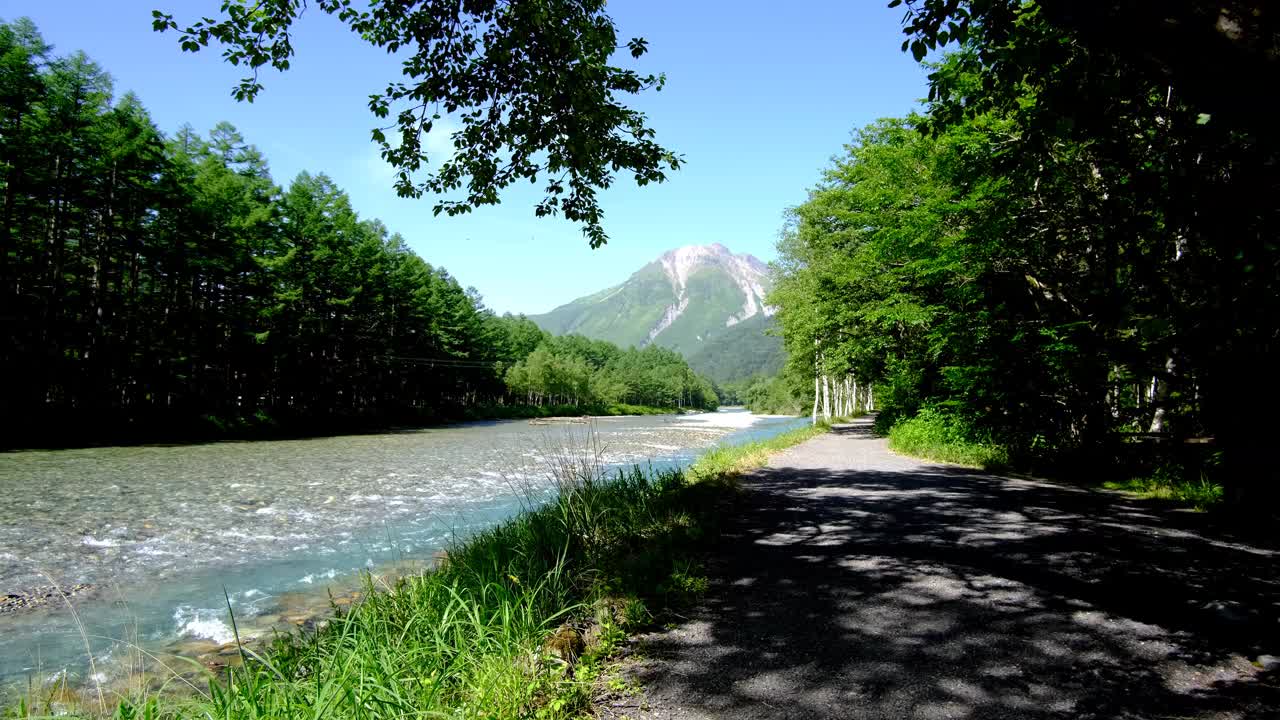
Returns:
point(159, 533)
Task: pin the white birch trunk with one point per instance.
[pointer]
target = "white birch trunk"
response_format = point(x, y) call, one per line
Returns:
point(1160, 397)
point(815, 396)
point(835, 398)
point(826, 396)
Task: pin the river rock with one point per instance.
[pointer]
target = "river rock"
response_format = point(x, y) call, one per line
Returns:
point(194, 648)
point(263, 622)
point(41, 596)
point(1229, 612)
point(220, 661)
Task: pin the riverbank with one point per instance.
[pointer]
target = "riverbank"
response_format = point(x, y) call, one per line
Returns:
point(518, 619)
point(102, 432)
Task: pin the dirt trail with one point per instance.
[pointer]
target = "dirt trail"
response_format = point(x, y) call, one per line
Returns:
point(856, 583)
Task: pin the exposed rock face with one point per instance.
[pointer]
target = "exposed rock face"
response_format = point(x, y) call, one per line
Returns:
point(746, 271)
point(687, 300)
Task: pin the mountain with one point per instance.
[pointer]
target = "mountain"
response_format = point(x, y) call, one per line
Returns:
point(701, 300)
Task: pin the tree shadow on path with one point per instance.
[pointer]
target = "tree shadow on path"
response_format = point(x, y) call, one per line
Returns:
point(928, 591)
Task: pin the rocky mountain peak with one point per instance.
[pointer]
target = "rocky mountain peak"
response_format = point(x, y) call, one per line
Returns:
point(746, 271)
point(701, 300)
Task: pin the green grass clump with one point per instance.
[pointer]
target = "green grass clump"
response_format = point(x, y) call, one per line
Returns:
point(1200, 494)
point(470, 640)
point(517, 622)
point(937, 436)
point(731, 461)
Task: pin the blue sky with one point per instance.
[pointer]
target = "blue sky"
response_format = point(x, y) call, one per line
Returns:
point(759, 96)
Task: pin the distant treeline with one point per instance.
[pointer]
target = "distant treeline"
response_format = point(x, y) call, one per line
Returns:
point(575, 370)
point(154, 286)
point(777, 394)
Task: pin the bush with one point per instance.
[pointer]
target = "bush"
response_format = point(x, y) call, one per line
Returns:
point(1170, 484)
point(936, 435)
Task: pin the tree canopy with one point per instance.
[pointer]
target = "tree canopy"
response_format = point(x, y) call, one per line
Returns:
point(1072, 245)
point(533, 85)
point(159, 286)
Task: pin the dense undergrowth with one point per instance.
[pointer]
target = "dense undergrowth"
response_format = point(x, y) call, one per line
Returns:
point(1201, 494)
point(517, 622)
point(936, 435)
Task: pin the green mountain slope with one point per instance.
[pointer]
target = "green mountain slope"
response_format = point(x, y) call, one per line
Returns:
point(622, 315)
point(701, 300)
point(740, 352)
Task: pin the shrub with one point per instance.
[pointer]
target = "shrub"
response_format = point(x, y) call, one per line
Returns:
point(936, 435)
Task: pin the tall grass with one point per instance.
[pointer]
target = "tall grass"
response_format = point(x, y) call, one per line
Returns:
point(468, 639)
point(937, 436)
point(1201, 494)
point(729, 461)
point(513, 624)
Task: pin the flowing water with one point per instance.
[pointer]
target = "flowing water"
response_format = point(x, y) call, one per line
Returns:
point(159, 533)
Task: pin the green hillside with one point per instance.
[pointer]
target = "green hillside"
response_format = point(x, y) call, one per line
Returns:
point(623, 314)
point(739, 352)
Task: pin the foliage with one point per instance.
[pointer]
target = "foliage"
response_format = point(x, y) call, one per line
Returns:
point(774, 395)
point(1072, 242)
point(1200, 494)
point(745, 350)
point(1165, 199)
point(575, 370)
point(939, 436)
point(531, 84)
point(517, 412)
point(159, 287)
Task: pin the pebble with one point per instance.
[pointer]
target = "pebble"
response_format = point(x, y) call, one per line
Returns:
point(31, 598)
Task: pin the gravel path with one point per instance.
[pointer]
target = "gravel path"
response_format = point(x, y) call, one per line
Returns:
point(856, 583)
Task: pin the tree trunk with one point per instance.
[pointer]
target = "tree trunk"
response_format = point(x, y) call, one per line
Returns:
point(1160, 397)
point(826, 397)
point(815, 398)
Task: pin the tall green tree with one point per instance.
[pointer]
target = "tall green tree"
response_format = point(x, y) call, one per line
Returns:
point(1069, 246)
point(1181, 157)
